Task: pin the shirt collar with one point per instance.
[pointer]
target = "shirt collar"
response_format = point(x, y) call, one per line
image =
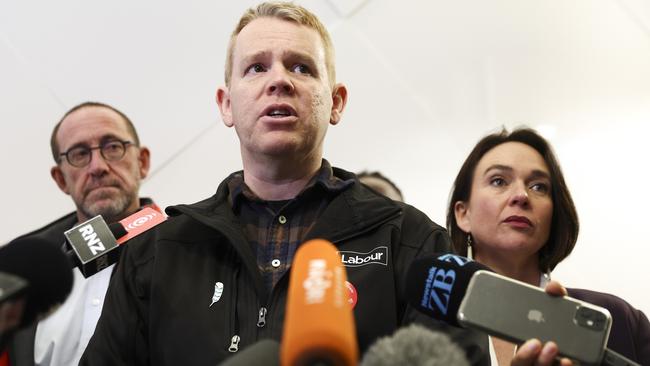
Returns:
point(544, 279)
point(324, 178)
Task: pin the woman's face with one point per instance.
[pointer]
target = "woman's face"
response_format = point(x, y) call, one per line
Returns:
point(510, 207)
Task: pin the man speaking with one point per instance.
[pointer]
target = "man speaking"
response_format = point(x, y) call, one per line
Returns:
point(213, 278)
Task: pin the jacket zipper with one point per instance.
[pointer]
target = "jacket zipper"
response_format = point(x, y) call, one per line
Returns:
point(234, 344)
point(271, 295)
point(261, 317)
point(234, 323)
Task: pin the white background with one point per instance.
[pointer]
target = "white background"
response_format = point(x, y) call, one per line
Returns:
point(426, 79)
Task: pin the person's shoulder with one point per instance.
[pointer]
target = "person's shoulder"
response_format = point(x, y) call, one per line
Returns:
point(611, 302)
point(186, 222)
point(52, 231)
point(204, 207)
point(630, 334)
point(417, 225)
point(414, 217)
point(595, 296)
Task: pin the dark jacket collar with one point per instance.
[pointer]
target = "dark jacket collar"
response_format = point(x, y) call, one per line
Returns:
point(356, 210)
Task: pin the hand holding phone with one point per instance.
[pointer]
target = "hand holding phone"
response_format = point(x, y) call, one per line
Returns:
point(515, 311)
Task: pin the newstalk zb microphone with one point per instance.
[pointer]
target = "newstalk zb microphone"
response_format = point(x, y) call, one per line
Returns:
point(436, 285)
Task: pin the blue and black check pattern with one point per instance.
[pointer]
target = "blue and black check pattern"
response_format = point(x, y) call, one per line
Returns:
point(275, 229)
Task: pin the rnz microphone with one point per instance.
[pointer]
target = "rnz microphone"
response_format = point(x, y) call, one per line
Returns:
point(97, 245)
point(436, 285)
point(319, 326)
point(414, 345)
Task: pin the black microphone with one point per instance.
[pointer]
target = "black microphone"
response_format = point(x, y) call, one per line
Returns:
point(45, 271)
point(95, 245)
point(11, 287)
point(12, 305)
point(417, 346)
point(437, 284)
point(263, 353)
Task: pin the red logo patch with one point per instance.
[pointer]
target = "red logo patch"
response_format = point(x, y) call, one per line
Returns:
point(352, 294)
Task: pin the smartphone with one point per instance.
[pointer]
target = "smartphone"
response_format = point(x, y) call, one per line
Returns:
point(516, 311)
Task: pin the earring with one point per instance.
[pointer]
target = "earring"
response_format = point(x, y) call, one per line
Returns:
point(547, 275)
point(470, 255)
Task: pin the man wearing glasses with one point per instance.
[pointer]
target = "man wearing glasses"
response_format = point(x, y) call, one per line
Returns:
point(99, 164)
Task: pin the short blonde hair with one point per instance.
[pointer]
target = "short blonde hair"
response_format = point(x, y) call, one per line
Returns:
point(291, 13)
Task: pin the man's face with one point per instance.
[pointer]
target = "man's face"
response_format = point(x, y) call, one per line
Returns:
point(107, 188)
point(280, 100)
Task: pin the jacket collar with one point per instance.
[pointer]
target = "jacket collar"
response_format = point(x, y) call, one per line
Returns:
point(353, 212)
point(356, 210)
point(324, 179)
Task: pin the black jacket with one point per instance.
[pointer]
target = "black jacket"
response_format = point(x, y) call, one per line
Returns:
point(157, 311)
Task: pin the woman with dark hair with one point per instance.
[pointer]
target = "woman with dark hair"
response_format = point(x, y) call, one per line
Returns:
point(511, 210)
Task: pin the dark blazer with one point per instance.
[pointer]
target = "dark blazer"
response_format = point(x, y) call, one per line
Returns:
point(630, 333)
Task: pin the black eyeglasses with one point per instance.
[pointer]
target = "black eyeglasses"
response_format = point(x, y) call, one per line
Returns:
point(80, 156)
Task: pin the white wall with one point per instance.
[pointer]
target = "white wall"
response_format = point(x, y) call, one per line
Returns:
point(427, 79)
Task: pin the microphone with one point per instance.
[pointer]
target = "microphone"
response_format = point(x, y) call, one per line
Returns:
point(12, 304)
point(417, 346)
point(265, 352)
point(436, 285)
point(319, 326)
point(11, 286)
point(38, 272)
point(94, 245)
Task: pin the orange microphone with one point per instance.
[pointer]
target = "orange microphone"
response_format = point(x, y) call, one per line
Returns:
point(319, 324)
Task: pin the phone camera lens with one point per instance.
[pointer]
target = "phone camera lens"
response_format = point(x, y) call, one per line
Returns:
point(590, 318)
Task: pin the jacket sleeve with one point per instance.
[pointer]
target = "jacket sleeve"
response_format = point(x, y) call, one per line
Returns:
point(120, 337)
point(642, 338)
point(630, 332)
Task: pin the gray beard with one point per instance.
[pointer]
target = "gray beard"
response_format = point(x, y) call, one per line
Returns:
point(115, 211)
